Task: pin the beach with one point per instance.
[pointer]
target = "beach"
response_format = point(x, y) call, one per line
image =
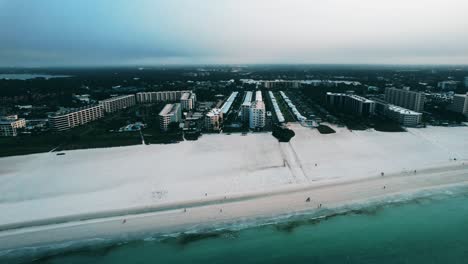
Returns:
point(126, 191)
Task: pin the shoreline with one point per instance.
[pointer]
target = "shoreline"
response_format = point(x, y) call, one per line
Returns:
point(172, 218)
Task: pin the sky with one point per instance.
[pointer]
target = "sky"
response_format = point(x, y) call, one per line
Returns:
point(152, 32)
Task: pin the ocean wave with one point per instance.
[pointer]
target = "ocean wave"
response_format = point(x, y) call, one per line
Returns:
point(282, 223)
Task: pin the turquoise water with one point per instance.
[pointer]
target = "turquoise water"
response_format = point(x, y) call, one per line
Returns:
point(423, 230)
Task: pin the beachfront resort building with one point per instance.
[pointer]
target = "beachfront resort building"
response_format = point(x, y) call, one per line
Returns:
point(245, 107)
point(9, 125)
point(404, 116)
point(257, 112)
point(187, 101)
point(117, 103)
point(459, 104)
point(158, 97)
point(353, 103)
point(405, 98)
point(214, 119)
point(171, 113)
point(69, 118)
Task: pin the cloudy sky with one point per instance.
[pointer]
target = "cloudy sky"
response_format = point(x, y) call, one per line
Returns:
point(145, 32)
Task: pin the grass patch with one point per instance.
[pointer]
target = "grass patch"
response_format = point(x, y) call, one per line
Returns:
point(323, 129)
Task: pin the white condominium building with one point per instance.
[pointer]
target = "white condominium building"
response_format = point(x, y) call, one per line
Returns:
point(117, 103)
point(257, 112)
point(404, 116)
point(171, 113)
point(459, 104)
point(245, 107)
point(10, 124)
point(157, 97)
point(405, 98)
point(353, 103)
point(67, 119)
point(214, 119)
point(187, 101)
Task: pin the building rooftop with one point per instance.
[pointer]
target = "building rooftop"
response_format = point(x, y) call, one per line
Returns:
point(185, 96)
point(169, 109)
point(67, 111)
point(227, 105)
point(247, 98)
point(402, 110)
point(360, 98)
point(214, 112)
point(258, 96)
point(116, 98)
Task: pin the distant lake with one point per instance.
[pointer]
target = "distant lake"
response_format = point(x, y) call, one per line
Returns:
point(27, 76)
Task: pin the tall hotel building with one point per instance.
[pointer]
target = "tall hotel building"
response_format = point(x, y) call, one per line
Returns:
point(117, 103)
point(171, 113)
point(157, 97)
point(64, 120)
point(245, 107)
point(187, 101)
point(405, 98)
point(257, 112)
point(350, 102)
point(459, 104)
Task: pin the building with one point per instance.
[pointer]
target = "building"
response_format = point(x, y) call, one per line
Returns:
point(278, 114)
point(355, 104)
point(117, 103)
point(281, 84)
point(405, 98)
point(9, 125)
point(459, 104)
point(194, 122)
point(171, 113)
point(187, 101)
point(159, 97)
point(404, 116)
point(466, 82)
point(257, 112)
point(227, 105)
point(293, 108)
point(214, 119)
point(447, 85)
point(84, 98)
point(245, 107)
point(66, 119)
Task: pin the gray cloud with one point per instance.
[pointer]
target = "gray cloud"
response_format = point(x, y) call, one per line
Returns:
point(55, 32)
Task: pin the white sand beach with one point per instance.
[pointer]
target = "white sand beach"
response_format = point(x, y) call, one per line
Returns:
point(87, 193)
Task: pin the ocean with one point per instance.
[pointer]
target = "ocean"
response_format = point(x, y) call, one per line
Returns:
point(428, 229)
